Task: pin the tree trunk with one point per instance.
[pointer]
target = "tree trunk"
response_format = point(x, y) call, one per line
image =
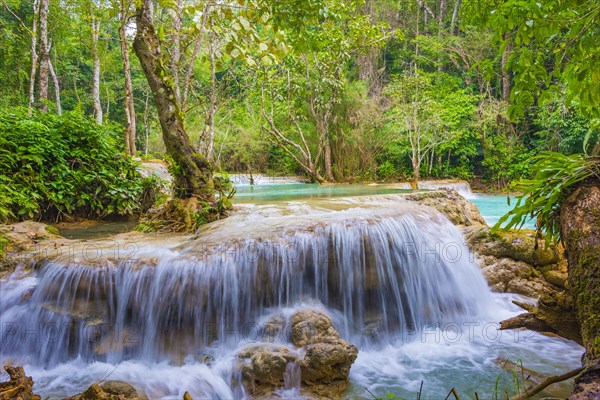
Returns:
point(130, 129)
point(176, 52)
point(442, 13)
point(454, 17)
point(580, 227)
point(95, 27)
point(328, 167)
point(505, 72)
point(44, 56)
point(56, 88)
point(146, 125)
point(212, 107)
point(34, 55)
point(194, 173)
point(416, 164)
point(368, 63)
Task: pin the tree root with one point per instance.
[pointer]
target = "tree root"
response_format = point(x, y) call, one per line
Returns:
point(18, 387)
point(181, 215)
point(549, 381)
point(554, 314)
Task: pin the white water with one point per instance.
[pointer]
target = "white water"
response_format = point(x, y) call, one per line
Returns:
point(397, 280)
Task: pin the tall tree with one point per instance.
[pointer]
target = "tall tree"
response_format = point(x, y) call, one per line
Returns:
point(95, 17)
point(56, 87)
point(34, 54)
point(193, 176)
point(44, 56)
point(130, 116)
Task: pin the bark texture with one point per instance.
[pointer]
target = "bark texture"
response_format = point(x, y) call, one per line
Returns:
point(34, 55)
point(95, 27)
point(505, 71)
point(193, 176)
point(580, 225)
point(131, 127)
point(56, 88)
point(44, 56)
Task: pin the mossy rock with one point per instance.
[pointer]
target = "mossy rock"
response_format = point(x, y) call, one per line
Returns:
point(517, 245)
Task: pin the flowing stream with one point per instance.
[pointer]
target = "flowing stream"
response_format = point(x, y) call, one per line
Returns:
point(168, 315)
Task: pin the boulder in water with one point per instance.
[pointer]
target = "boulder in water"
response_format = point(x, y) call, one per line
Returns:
point(450, 203)
point(110, 390)
point(324, 359)
point(263, 367)
point(310, 327)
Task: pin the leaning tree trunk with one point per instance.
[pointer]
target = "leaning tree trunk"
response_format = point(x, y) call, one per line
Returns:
point(193, 177)
point(580, 225)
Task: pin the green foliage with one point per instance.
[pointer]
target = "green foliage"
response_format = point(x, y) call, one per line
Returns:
point(555, 177)
point(54, 166)
point(555, 41)
point(386, 170)
point(3, 244)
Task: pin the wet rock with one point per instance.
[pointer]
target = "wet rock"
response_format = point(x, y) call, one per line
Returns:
point(557, 278)
point(110, 390)
point(20, 237)
point(324, 359)
point(516, 245)
point(18, 387)
point(207, 359)
point(272, 329)
point(507, 275)
point(326, 366)
point(450, 203)
point(511, 263)
point(308, 327)
point(123, 389)
point(263, 367)
point(117, 341)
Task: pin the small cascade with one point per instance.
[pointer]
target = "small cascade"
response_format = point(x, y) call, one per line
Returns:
point(461, 187)
point(382, 274)
point(292, 376)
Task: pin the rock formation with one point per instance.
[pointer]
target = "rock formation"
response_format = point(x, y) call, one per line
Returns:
point(324, 359)
point(110, 390)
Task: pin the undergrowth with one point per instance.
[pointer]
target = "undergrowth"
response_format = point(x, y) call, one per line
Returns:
point(52, 167)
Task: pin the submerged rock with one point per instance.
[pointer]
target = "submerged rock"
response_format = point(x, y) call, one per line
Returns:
point(20, 237)
point(324, 359)
point(110, 390)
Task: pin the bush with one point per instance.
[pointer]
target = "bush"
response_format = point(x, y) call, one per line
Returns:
point(54, 166)
point(386, 170)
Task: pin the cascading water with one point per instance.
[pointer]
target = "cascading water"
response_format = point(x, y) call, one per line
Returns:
point(399, 273)
point(380, 271)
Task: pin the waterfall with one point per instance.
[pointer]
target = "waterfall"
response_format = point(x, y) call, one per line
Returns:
point(381, 273)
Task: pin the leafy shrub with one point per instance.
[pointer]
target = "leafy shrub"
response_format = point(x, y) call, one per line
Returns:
point(386, 170)
point(556, 176)
point(53, 166)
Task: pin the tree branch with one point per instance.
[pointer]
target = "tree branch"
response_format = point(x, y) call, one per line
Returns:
point(549, 381)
